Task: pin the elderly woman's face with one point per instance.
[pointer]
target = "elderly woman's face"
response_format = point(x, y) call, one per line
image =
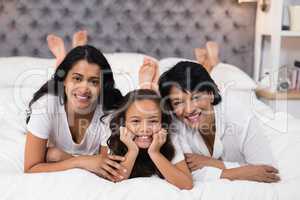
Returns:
point(195, 109)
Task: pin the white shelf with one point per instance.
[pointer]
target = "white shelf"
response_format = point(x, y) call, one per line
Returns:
point(290, 33)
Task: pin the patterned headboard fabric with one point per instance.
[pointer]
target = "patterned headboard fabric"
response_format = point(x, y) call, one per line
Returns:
point(159, 28)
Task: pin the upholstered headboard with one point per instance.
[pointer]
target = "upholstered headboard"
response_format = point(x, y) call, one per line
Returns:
point(160, 28)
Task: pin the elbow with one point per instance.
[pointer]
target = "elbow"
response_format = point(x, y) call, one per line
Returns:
point(27, 170)
point(187, 186)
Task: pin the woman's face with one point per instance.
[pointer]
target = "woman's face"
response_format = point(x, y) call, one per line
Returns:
point(82, 86)
point(195, 109)
point(143, 119)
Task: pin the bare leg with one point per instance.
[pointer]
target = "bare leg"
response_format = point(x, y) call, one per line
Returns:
point(79, 38)
point(57, 47)
point(148, 73)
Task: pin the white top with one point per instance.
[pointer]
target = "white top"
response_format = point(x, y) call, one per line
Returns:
point(239, 139)
point(178, 156)
point(48, 120)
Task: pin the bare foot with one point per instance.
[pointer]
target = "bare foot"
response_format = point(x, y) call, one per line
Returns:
point(201, 55)
point(208, 57)
point(79, 38)
point(212, 53)
point(57, 47)
point(147, 74)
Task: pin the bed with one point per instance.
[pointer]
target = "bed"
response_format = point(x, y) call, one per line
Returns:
point(21, 76)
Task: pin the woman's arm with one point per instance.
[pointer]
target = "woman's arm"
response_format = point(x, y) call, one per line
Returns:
point(255, 146)
point(178, 174)
point(197, 161)
point(35, 157)
point(35, 160)
point(258, 173)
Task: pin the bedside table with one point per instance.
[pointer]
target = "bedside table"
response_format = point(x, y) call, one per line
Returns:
point(281, 101)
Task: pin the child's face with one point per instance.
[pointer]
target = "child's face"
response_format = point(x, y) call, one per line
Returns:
point(82, 85)
point(143, 119)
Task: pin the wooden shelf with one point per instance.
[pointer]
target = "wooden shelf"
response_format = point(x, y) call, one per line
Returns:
point(290, 33)
point(266, 94)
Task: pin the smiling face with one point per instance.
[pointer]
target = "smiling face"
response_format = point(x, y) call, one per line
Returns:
point(143, 119)
point(82, 86)
point(195, 109)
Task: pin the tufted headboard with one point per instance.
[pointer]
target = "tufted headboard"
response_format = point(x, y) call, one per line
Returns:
point(159, 28)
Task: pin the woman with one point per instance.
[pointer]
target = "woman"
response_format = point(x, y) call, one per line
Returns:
point(213, 132)
point(65, 114)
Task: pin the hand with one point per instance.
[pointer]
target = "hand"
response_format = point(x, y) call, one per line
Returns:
point(126, 136)
point(197, 161)
point(105, 166)
point(158, 140)
point(55, 155)
point(259, 173)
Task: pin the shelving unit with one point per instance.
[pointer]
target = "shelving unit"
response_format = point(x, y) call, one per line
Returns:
point(273, 42)
point(269, 29)
point(290, 34)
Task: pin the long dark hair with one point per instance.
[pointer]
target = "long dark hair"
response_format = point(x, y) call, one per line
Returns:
point(143, 166)
point(110, 96)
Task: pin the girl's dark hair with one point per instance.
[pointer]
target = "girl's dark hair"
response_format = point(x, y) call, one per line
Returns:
point(187, 76)
point(143, 166)
point(110, 96)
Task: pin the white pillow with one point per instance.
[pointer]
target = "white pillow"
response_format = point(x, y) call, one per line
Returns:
point(226, 76)
point(167, 63)
point(125, 67)
point(230, 77)
point(25, 71)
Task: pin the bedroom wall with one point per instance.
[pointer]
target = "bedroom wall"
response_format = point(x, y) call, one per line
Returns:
point(160, 28)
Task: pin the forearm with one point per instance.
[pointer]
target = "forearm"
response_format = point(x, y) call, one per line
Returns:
point(229, 174)
point(71, 163)
point(233, 174)
point(170, 172)
point(128, 163)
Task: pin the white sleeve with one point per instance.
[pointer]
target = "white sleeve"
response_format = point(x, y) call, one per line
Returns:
point(207, 174)
point(255, 146)
point(178, 156)
point(40, 119)
point(230, 165)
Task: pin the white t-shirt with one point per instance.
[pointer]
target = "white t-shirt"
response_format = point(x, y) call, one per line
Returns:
point(239, 139)
point(48, 120)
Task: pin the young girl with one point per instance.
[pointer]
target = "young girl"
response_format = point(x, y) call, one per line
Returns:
point(65, 113)
point(140, 133)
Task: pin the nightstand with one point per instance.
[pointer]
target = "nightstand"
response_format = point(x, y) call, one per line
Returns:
point(281, 101)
